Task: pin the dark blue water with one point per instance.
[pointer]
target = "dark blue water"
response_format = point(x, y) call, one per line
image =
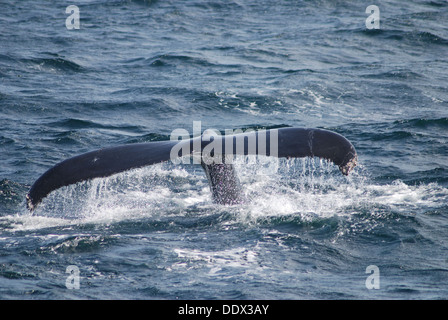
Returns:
point(136, 70)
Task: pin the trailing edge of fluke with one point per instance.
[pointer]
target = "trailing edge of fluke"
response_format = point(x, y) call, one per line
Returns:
point(224, 184)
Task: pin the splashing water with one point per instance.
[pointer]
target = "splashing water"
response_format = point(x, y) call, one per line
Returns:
point(275, 188)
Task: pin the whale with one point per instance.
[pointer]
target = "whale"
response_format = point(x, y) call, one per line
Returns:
point(213, 152)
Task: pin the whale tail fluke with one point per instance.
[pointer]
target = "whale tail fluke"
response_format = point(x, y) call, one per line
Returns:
point(224, 184)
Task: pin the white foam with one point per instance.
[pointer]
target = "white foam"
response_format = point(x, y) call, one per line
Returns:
point(216, 261)
point(313, 188)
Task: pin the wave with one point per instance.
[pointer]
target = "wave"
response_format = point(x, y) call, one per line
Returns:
point(400, 74)
point(72, 123)
point(413, 37)
point(437, 4)
point(421, 129)
point(55, 64)
point(168, 59)
point(423, 123)
point(221, 62)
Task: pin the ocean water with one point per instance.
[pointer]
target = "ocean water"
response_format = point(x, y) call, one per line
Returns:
point(136, 70)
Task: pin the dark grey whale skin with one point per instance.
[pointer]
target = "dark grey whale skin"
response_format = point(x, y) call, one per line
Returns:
point(224, 184)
